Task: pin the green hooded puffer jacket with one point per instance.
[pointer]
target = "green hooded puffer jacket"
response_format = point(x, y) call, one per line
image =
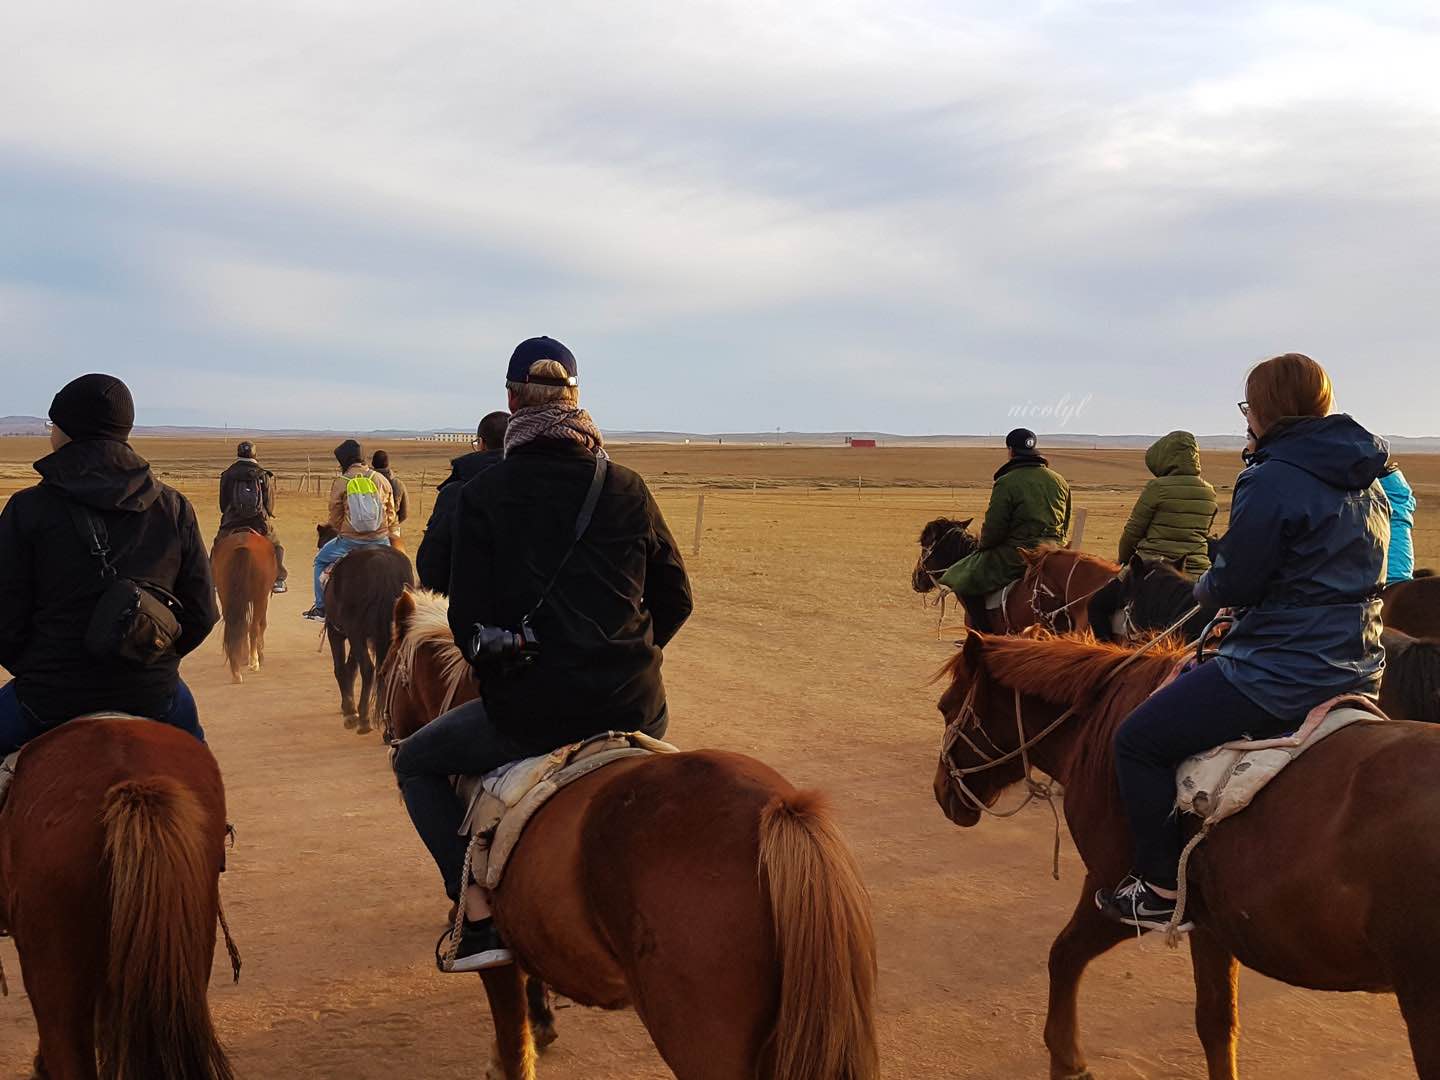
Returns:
point(1173, 515)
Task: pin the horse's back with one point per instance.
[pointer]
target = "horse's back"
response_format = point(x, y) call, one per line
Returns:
point(1360, 811)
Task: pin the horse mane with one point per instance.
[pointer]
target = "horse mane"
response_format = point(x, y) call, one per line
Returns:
point(1412, 674)
point(1162, 595)
point(429, 625)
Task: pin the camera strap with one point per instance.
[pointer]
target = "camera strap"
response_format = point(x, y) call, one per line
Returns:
point(582, 525)
point(92, 530)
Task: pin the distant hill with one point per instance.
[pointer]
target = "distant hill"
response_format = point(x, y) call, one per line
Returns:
point(1401, 444)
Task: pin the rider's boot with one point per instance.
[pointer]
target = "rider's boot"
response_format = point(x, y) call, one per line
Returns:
point(481, 947)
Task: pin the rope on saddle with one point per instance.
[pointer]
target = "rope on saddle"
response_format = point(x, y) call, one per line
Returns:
point(452, 947)
point(229, 941)
point(1182, 888)
point(4, 983)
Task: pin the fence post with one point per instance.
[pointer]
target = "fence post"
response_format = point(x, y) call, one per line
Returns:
point(1077, 534)
point(699, 522)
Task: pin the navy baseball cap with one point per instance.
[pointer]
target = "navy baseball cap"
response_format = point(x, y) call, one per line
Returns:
point(541, 348)
point(1020, 439)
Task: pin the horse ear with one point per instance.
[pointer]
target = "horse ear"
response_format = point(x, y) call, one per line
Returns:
point(1136, 566)
point(972, 649)
point(404, 608)
point(966, 523)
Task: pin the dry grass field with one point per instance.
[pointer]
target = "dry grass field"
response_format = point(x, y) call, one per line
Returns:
point(807, 649)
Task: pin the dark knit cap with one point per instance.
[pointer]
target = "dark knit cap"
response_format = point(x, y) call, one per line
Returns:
point(541, 348)
point(94, 407)
point(348, 453)
point(380, 459)
point(1021, 440)
point(245, 450)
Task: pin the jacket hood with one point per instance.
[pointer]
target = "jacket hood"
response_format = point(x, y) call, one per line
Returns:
point(468, 466)
point(1176, 454)
point(1334, 449)
point(101, 474)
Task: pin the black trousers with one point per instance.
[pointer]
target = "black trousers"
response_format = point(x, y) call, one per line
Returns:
point(1198, 711)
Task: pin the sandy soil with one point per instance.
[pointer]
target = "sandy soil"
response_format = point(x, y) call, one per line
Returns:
point(807, 650)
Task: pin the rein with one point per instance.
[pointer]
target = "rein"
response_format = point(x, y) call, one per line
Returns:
point(1035, 789)
point(1048, 617)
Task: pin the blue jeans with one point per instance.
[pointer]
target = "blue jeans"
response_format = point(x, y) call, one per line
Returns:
point(331, 553)
point(1198, 711)
point(18, 725)
point(462, 742)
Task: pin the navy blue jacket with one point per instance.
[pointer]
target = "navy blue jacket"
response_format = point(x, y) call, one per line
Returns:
point(1305, 558)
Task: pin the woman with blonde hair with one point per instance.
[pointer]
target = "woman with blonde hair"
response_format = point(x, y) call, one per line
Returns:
point(1303, 563)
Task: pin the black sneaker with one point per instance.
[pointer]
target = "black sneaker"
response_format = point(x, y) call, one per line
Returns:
point(314, 615)
point(481, 947)
point(1135, 903)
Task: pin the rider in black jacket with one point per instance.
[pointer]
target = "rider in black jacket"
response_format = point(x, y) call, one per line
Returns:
point(432, 560)
point(614, 600)
point(247, 501)
point(49, 580)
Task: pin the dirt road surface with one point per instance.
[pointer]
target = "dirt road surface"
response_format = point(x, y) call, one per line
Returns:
point(807, 650)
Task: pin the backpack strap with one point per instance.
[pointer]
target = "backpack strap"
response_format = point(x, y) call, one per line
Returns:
point(93, 532)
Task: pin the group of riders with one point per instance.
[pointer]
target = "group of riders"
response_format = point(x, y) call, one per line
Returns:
point(565, 584)
point(1320, 522)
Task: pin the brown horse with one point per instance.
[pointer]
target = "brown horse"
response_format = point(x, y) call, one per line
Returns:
point(359, 599)
point(1413, 607)
point(111, 842)
point(1055, 591)
point(943, 543)
point(1330, 880)
point(699, 887)
point(243, 564)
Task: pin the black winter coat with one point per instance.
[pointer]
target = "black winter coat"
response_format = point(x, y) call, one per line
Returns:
point(49, 581)
point(244, 469)
point(432, 560)
point(621, 597)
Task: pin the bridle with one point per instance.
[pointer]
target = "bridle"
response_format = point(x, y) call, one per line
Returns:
point(967, 717)
point(926, 552)
point(1049, 617)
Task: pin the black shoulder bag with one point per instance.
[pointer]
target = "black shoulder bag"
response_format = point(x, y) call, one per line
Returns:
point(131, 621)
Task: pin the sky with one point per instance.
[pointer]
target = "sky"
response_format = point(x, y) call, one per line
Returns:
point(902, 216)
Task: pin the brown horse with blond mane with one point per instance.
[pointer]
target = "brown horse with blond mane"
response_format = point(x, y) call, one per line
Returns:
point(243, 566)
point(1330, 880)
point(111, 843)
point(699, 887)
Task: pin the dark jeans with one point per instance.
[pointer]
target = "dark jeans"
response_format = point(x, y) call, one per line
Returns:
point(462, 742)
point(18, 725)
point(1198, 711)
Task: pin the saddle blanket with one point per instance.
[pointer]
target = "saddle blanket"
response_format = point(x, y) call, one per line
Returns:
point(1223, 781)
point(501, 803)
point(994, 601)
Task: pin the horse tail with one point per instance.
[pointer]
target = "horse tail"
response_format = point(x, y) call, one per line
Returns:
point(153, 1019)
point(825, 1027)
point(235, 602)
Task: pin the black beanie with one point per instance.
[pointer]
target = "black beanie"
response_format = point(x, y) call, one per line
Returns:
point(94, 407)
point(380, 459)
point(348, 453)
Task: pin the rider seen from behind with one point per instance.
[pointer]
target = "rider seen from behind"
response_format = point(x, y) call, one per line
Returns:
point(432, 560)
point(362, 513)
point(1172, 518)
point(1302, 562)
point(1029, 508)
point(565, 634)
point(98, 525)
point(247, 501)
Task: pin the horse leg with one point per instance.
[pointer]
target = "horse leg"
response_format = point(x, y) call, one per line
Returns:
point(1217, 1013)
point(360, 650)
point(64, 1006)
point(344, 674)
point(513, 1056)
point(542, 1019)
point(1086, 936)
point(257, 634)
point(1419, 998)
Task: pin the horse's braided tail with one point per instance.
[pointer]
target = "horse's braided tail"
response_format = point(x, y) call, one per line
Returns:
point(235, 602)
point(153, 1018)
point(825, 1026)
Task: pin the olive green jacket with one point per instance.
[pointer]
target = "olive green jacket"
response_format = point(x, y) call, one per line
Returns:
point(1173, 515)
point(1029, 508)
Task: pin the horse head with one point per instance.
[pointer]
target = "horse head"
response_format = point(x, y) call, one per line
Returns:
point(1110, 609)
point(1059, 584)
point(943, 543)
point(324, 533)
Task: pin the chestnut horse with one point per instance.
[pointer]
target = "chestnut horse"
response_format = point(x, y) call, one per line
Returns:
point(111, 843)
point(699, 887)
point(243, 565)
point(1330, 880)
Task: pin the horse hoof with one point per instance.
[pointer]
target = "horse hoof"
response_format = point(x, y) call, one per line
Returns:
point(363, 729)
point(236, 678)
point(351, 720)
point(544, 1036)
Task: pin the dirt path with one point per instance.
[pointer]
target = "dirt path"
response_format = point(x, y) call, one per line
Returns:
point(807, 650)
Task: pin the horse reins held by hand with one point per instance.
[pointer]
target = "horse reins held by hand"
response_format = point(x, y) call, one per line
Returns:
point(1035, 789)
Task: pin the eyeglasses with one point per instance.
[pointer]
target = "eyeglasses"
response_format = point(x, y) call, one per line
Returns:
point(1244, 407)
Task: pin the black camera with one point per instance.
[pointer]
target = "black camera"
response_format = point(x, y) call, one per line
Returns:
point(495, 643)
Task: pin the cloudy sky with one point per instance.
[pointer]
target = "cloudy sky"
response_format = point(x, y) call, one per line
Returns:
point(816, 214)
